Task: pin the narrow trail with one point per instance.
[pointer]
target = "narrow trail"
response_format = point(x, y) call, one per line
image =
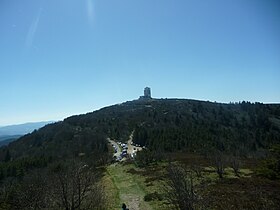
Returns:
point(127, 185)
point(131, 149)
point(129, 191)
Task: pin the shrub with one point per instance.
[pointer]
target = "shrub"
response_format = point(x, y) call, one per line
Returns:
point(153, 196)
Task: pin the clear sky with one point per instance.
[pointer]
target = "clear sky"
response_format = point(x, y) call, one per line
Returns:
point(64, 57)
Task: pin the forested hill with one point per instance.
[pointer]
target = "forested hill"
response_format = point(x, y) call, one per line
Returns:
point(158, 124)
point(176, 124)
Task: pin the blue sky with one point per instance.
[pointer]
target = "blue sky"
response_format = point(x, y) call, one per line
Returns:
point(59, 58)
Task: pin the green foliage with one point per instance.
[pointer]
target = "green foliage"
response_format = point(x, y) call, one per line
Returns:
point(203, 127)
point(270, 167)
point(57, 141)
point(153, 196)
point(163, 125)
point(63, 185)
point(146, 157)
point(19, 167)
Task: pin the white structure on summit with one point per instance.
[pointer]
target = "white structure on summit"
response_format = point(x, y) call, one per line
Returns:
point(147, 94)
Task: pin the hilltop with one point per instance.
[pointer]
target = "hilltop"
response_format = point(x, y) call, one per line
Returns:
point(166, 124)
point(198, 134)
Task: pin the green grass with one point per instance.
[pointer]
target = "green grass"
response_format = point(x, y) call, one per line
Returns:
point(127, 183)
point(112, 193)
point(128, 188)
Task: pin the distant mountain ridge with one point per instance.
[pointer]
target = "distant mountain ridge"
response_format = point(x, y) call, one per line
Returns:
point(5, 140)
point(22, 129)
point(5, 137)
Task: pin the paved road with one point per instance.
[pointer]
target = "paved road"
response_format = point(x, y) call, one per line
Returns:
point(131, 149)
point(118, 148)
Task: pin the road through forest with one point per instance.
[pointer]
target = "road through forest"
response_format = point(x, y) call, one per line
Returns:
point(129, 191)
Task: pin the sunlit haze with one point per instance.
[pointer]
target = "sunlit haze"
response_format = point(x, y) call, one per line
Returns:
point(59, 58)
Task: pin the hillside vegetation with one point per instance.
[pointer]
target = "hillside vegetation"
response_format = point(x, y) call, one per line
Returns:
point(167, 124)
point(164, 126)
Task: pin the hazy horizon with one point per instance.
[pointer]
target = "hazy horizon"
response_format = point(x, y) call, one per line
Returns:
point(61, 58)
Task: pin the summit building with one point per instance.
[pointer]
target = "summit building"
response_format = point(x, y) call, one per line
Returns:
point(147, 94)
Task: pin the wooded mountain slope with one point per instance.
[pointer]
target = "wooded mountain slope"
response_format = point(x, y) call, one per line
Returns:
point(158, 124)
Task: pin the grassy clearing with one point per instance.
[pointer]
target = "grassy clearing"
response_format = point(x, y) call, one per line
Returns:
point(152, 179)
point(126, 188)
point(112, 193)
point(131, 185)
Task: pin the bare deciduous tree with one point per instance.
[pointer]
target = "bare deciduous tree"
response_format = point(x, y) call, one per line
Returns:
point(70, 186)
point(220, 165)
point(235, 165)
point(29, 193)
point(76, 187)
point(180, 188)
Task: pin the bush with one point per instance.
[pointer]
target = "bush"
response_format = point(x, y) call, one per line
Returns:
point(153, 196)
point(270, 167)
point(145, 158)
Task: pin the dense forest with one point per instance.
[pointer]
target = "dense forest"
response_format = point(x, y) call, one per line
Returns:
point(166, 125)
point(197, 126)
point(173, 124)
point(158, 124)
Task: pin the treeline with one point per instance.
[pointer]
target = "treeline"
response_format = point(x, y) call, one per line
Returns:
point(173, 124)
point(45, 169)
point(206, 127)
point(71, 184)
point(56, 141)
point(163, 125)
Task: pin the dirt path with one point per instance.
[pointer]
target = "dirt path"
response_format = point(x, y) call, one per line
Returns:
point(132, 201)
point(129, 190)
point(126, 186)
point(131, 148)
